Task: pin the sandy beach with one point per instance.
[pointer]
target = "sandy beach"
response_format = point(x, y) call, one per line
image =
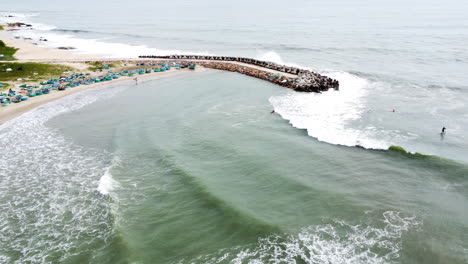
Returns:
point(14, 110)
point(28, 52)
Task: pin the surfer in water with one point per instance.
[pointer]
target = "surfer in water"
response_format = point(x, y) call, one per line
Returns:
point(272, 112)
point(442, 134)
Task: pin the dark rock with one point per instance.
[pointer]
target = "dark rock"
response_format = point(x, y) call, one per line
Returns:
point(306, 81)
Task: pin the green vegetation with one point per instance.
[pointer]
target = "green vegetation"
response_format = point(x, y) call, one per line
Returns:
point(96, 65)
point(1, 27)
point(409, 154)
point(398, 149)
point(7, 52)
point(26, 71)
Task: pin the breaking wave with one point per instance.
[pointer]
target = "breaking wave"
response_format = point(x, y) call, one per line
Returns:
point(326, 116)
point(334, 242)
point(329, 116)
point(107, 183)
point(50, 210)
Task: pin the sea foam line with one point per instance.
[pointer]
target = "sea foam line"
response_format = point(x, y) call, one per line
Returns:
point(339, 242)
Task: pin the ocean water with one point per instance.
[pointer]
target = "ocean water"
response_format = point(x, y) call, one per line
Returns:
point(193, 168)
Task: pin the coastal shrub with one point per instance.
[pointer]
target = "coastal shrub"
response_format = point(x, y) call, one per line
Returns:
point(96, 65)
point(1, 27)
point(7, 52)
point(26, 71)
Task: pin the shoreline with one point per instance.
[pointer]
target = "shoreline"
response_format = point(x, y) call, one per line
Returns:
point(28, 52)
point(16, 110)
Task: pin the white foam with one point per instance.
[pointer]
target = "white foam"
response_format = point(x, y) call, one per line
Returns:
point(372, 241)
point(326, 116)
point(87, 45)
point(48, 186)
point(107, 183)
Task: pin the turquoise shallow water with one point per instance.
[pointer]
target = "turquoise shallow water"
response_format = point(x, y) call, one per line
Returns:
point(193, 168)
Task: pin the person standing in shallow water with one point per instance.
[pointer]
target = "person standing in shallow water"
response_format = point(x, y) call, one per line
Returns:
point(443, 129)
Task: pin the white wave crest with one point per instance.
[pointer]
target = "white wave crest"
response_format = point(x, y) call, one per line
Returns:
point(327, 115)
point(107, 183)
point(336, 242)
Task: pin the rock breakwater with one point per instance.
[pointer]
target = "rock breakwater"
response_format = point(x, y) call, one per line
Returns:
point(291, 77)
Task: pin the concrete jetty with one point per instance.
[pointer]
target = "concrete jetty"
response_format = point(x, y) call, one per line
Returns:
point(291, 77)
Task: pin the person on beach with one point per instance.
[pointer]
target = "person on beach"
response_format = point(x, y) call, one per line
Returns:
point(136, 80)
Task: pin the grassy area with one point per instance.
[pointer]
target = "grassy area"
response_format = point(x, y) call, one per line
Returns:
point(26, 71)
point(96, 65)
point(7, 52)
point(1, 27)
